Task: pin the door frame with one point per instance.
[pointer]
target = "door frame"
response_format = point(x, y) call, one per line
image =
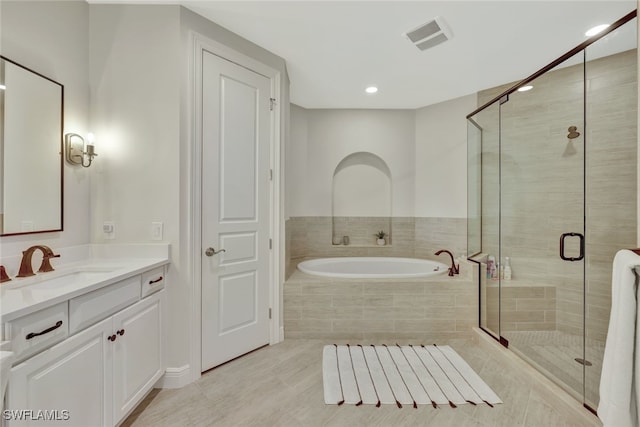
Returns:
point(200, 43)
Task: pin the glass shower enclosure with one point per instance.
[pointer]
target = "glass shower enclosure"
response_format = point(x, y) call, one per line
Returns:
point(552, 169)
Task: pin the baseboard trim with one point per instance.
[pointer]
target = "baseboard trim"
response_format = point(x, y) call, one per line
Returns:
point(281, 334)
point(175, 377)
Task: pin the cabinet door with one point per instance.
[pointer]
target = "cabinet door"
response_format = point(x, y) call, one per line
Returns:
point(71, 380)
point(138, 353)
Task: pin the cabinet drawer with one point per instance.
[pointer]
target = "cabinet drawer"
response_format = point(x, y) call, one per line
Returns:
point(152, 281)
point(90, 308)
point(37, 331)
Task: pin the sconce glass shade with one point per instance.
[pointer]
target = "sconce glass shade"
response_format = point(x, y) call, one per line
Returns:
point(76, 152)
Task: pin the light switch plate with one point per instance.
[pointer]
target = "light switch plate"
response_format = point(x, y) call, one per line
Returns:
point(156, 231)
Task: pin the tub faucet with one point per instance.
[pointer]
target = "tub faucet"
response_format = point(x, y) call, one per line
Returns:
point(26, 269)
point(454, 269)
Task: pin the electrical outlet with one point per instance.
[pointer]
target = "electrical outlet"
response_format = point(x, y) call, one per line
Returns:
point(156, 231)
point(108, 230)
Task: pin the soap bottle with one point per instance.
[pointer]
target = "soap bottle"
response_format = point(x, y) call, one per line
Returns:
point(507, 269)
point(491, 265)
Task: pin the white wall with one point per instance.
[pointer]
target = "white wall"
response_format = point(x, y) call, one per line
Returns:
point(332, 135)
point(426, 150)
point(441, 158)
point(296, 155)
point(135, 112)
point(50, 37)
point(362, 187)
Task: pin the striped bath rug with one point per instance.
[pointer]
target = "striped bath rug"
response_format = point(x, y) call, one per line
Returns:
point(401, 375)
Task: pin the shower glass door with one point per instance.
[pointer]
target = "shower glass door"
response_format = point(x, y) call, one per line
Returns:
point(611, 186)
point(483, 162)
point(542, 199)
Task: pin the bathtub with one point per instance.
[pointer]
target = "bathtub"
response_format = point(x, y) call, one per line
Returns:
point(372, 267)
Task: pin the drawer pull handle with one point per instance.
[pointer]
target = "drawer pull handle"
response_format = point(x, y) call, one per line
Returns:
point(120, 332)
point(111, 338)
point(46, 331)
point(151, 282)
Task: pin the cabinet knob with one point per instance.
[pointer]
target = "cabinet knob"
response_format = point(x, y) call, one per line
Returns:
point(120, 332)
point(111, 338)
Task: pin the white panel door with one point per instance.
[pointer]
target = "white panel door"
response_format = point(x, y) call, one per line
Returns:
point(236, 130)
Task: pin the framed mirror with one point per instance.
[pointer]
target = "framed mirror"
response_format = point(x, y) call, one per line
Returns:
point(31, 126)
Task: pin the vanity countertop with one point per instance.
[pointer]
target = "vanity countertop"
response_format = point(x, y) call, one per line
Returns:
point(27, 295)
point(22, 296)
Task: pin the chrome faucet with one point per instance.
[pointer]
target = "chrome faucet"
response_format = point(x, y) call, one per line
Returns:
point(26, 269)
point(454, 269)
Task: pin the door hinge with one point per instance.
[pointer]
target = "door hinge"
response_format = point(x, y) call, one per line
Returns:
point(269, 312)
point(270, 243)
point(272, 103)
point(270, 174)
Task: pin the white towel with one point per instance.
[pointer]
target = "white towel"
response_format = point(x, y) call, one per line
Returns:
point(621, 365)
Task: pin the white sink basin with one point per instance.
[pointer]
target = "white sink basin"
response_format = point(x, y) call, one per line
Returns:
point(70, 279)
point(60, 281)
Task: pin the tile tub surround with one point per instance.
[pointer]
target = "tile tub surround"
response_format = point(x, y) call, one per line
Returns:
point(409, 237)
point(379, 310)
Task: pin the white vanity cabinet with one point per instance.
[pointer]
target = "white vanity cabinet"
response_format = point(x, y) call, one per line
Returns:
point(73, 376)
point(138, 359)
point(96, 376)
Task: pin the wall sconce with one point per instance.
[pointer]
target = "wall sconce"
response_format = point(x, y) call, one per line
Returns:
point(76, 152)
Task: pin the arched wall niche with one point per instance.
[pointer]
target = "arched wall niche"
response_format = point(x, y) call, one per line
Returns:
point(361, 199)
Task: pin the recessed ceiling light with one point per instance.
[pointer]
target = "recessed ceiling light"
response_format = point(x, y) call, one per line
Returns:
point(371, 89)
point(596, 30)
point(525, 88)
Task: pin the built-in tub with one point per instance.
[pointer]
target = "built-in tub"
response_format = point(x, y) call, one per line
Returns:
point(372, 267)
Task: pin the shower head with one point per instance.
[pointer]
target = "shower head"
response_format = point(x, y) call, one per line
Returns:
point(573, 132)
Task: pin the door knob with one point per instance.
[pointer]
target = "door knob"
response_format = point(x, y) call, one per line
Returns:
point(212, 252)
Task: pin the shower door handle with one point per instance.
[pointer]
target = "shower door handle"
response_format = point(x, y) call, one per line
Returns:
point(564, 236)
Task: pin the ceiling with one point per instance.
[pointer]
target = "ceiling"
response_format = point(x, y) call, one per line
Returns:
point(335, 49)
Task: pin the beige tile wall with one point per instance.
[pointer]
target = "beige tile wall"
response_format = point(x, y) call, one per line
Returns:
point(412, 310)
point(361, 230)
point(524, 308)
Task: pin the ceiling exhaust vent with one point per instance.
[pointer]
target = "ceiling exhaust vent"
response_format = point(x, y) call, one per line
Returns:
point(430, 34)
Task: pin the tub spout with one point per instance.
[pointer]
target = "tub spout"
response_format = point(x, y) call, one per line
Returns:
point(454, 269)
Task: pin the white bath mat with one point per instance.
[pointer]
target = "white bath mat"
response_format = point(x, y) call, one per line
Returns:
point(401, 375)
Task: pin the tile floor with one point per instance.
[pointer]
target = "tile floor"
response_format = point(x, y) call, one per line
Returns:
point(554, 352)
point(281, 385)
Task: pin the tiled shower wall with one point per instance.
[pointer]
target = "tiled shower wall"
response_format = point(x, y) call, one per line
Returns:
point(542, 193)
point(311, 237)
